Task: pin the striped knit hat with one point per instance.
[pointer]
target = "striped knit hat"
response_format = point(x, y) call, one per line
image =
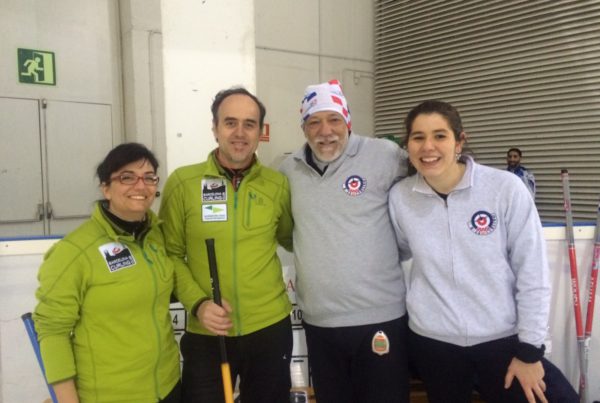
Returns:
point(325, 97)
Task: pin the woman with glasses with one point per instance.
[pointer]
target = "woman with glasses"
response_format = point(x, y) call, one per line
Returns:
point(102, 317)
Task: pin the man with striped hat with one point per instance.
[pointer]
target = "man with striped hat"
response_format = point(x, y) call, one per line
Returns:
point(349, 280)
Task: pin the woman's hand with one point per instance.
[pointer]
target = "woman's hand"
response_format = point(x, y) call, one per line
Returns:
point(530, 376)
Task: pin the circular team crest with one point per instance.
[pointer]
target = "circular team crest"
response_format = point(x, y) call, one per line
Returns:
point(355, 185)
point(483, 223)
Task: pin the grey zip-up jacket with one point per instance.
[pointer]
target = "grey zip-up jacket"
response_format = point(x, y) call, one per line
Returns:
point(480, 269)
point(347, 265)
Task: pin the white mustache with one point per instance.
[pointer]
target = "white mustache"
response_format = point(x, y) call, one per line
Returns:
point(329, 138)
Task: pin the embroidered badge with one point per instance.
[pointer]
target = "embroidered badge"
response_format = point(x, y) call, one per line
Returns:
point(380, 343)
point(214, 189)
point(117, 256)
point(355, 185)
point(483, 223)
point(214, 212)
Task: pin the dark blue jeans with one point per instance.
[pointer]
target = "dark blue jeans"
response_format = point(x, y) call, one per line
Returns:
point(345, 369)
point(261, 359)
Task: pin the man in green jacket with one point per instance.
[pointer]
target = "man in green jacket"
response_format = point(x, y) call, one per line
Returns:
point(245, 207)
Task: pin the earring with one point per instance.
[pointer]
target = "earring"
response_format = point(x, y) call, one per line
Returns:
point(458, 156)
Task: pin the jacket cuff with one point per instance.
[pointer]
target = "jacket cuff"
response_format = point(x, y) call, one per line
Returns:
point(58, 358)
point(529, 353)
point(197, 305)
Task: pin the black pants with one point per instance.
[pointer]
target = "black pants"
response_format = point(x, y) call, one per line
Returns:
point(261, 359)
point(451, 372)
point(345, 369)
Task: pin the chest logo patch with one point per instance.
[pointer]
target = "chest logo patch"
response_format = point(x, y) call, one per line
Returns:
point(483, 223)
point(354, 185)
point(214, 189)
point(214, 212)
point(117, 256)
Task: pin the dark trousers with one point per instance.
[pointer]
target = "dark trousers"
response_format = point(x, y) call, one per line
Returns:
point(451, 373)
point(261, 359)
point(345, 369)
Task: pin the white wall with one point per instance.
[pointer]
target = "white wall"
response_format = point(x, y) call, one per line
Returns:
point(84, 38)
point(160, 63)
point(208, 46)
point(19, 261)
point(68, 126)
point(299, 43)
point(106, 51)
point(141, 44)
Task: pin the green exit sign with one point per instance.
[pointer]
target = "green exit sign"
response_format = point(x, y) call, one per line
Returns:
point(36, 66)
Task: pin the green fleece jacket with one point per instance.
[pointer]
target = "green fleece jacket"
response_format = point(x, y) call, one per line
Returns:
point(103, 313)
point(199, 202)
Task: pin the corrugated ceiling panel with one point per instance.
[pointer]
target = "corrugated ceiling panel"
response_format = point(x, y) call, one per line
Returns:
point(522, 73)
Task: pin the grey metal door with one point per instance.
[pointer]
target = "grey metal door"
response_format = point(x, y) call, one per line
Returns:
point(21, 192)
point(78, 136)
point(49, 150)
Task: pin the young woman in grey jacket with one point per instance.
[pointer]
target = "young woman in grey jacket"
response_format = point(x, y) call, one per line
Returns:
point(478, 293)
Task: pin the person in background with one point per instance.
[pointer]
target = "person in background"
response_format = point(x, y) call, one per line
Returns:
point(102, 316)
point(349, 279)
point(478, 294)
point(245, 207)
point(513, 159)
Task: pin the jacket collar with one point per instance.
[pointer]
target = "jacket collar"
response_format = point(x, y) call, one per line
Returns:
point(465, 182)
point(215, 169)
point(112, 231)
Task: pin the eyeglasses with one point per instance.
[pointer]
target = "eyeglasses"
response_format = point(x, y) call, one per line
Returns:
point(132, 179)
